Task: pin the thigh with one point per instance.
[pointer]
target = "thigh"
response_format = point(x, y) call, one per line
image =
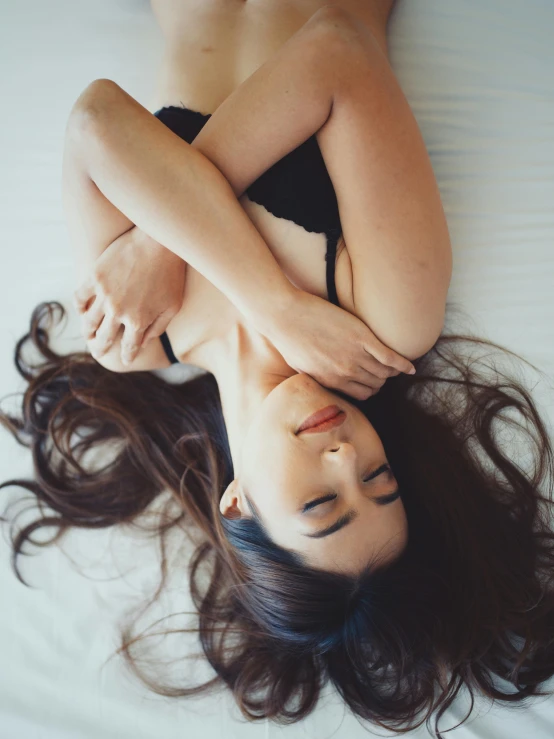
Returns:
point(393, 222)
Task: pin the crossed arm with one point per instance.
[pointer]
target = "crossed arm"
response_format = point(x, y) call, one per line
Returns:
point(173, 193)
point(116, 128)
point(170, 191)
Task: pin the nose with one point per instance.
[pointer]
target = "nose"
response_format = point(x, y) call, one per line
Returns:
point(340, 458)
point(341, 449)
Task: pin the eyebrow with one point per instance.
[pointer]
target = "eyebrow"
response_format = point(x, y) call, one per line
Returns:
point(350, 515)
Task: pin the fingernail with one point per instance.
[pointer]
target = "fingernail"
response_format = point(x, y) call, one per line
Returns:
point(412, 371)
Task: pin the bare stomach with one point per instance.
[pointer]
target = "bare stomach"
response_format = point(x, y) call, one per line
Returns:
point(212, 47)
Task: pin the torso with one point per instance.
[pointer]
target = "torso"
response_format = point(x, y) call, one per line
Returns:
point(212, 47)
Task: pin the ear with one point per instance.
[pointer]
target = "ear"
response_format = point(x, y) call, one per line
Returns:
point(231, 504)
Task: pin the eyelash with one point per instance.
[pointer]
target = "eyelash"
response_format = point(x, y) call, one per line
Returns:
point(327, 498)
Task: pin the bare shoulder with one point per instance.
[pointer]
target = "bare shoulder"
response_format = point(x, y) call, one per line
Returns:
point(382, 9)
point(373, 14)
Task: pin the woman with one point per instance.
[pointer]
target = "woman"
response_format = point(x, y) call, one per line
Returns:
point(373, 549)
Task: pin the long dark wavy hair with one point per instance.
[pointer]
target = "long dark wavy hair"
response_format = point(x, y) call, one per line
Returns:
point(469, 600)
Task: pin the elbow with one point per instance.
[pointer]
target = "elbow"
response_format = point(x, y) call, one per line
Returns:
point(415, 345)
point(92, 105)
point(412, 340)
point(419, 350)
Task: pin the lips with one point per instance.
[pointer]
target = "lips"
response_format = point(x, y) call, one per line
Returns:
point(325, 419)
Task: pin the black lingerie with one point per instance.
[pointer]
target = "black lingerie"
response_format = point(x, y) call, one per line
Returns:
point(297, 188)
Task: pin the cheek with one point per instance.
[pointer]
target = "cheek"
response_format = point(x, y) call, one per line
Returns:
point(256, 458)
point(256, 446)
point(270, 470)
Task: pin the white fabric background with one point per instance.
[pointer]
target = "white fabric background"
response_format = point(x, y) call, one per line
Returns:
point(479, 76)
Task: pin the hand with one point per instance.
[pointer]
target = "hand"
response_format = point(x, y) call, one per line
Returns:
point(333, 346)
point(136, 282)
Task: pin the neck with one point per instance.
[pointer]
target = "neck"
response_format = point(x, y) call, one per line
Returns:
point(246, 366)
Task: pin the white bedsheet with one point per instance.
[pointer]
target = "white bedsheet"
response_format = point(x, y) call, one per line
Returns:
point(479, 76)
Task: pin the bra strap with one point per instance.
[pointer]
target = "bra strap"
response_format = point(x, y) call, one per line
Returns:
point(164, 338)
point(333, 236)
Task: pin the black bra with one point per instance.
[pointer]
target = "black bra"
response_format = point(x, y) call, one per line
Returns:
point(297, 188)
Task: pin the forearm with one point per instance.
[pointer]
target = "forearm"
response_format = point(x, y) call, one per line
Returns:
point(93, 223)
point(177, 197)
point(272, 112)
point(148, 174)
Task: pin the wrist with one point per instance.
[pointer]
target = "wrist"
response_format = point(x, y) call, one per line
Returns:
point(274, 308)
point(154, 248)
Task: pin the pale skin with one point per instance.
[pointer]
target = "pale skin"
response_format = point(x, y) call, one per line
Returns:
point(404, 264)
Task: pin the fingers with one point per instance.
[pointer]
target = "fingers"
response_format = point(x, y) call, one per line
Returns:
point(364, 382)
point(390, 358)
point(373, 382)
point(158, 327)
point(374, 367)
point(357, 390)
point(106, 334)
point(131, 342)
point(367, 383)
point(83, 294)
point(101, 324)
point(92, 319)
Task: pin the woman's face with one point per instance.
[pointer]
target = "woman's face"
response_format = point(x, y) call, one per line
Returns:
point(282, 471)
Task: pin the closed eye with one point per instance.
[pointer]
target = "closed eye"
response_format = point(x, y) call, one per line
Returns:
point(381, 500)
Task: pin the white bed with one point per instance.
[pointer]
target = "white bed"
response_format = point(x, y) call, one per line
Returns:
point(479, 76)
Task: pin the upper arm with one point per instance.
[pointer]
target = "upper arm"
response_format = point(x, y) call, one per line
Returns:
point(391, 214)
point(151, 356)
